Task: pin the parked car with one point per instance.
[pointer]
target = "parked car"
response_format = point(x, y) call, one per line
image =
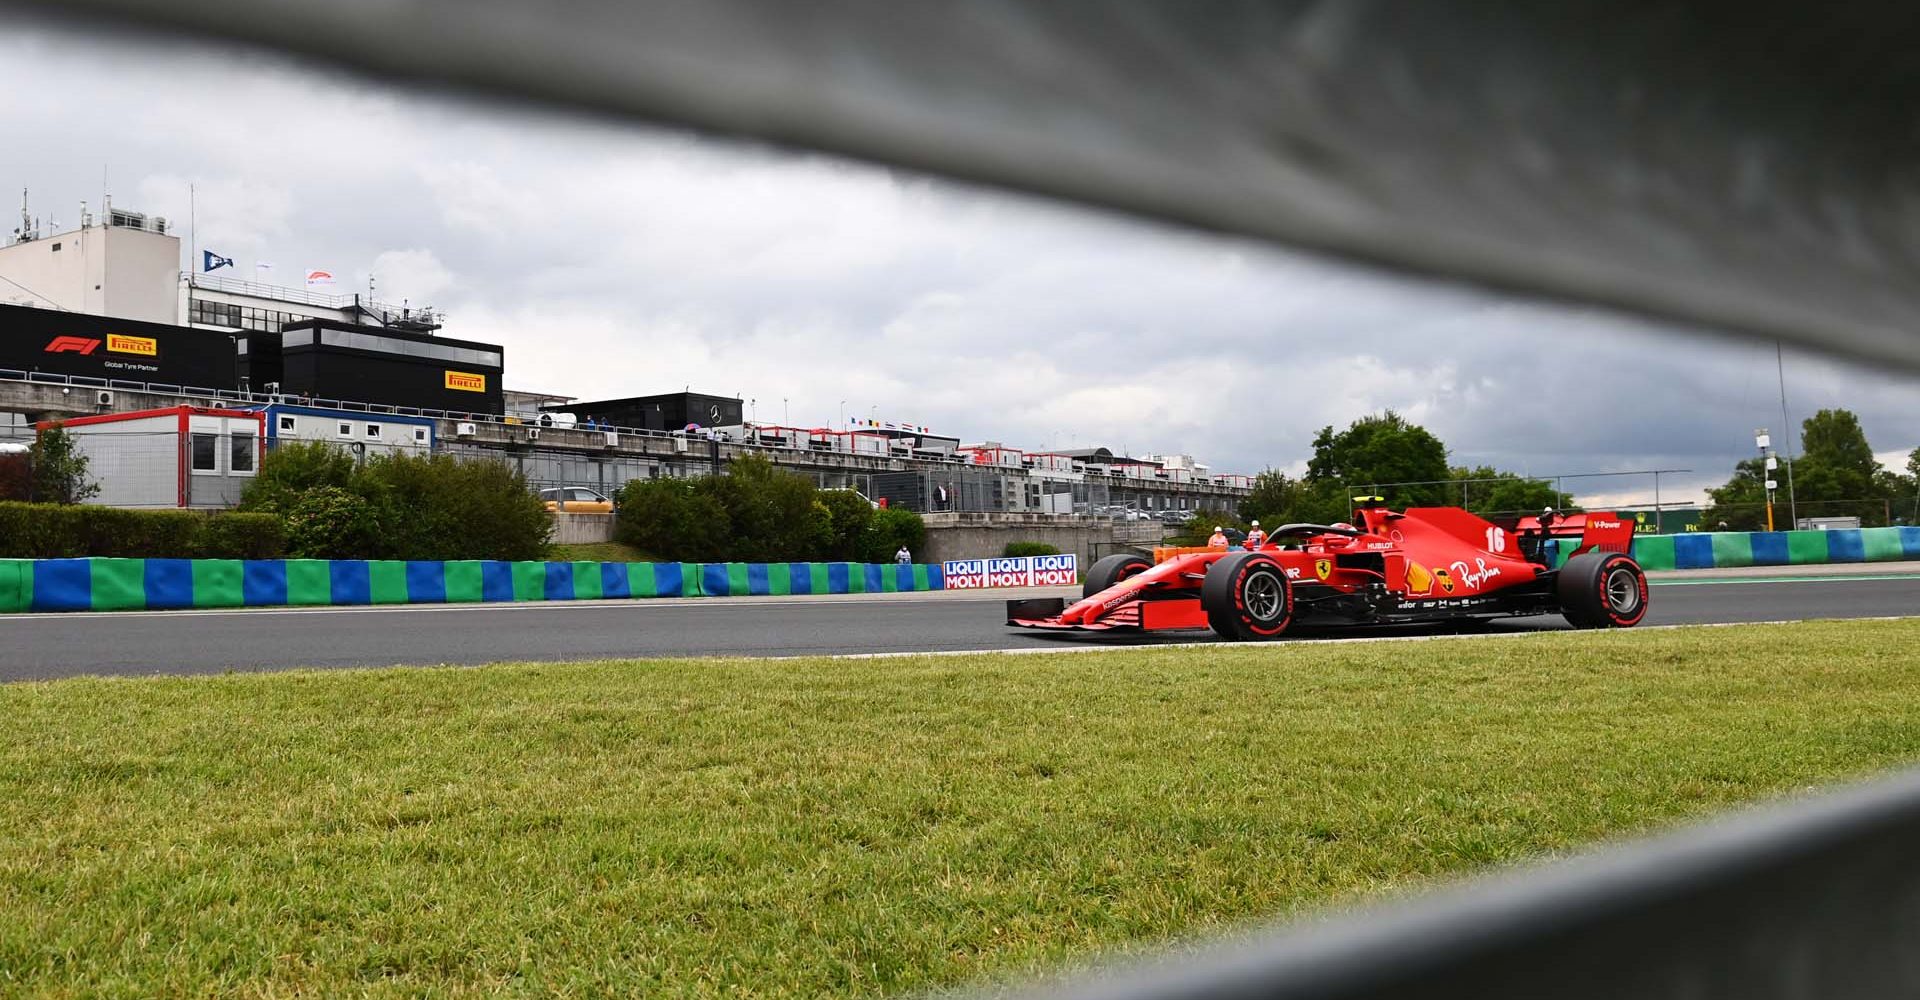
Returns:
point(576, 500)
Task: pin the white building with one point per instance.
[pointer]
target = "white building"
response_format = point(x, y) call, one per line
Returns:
point(180, 456)
point(70, 270)
point(127, 265)
point(354, 430)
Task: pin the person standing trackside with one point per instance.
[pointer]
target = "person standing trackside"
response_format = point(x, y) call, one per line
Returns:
point(903, 557)
point(1219, 539)
point(1255, 537)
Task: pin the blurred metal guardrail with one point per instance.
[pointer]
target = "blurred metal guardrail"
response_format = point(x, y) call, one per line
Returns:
point(1743, 165)
point(1812, 900)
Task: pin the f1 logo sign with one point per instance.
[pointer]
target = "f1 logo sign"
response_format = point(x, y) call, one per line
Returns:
point(72, 345)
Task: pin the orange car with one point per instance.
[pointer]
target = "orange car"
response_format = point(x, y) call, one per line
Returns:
point(576, 500)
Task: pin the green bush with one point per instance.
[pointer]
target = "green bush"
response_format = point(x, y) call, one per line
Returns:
point(891, 528)
point(678, 519)
point(848, 514)
point(68, 531)
point(1016, 549)
point(771, 514)
point(235, 535)
point(59, 468)
point(330, 523)
point(291, 469)
point(758, 513)
point(398, 506)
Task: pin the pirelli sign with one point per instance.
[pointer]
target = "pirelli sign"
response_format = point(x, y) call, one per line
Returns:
point(466, 382)
point(121, 344)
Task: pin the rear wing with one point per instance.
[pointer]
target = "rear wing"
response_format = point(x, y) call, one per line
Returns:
point(1603, 531)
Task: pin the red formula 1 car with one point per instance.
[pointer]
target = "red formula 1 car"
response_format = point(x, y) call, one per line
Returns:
point(1422, 564)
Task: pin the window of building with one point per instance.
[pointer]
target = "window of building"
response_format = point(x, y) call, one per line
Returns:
point(206, 457)
point(242, 457)
point(56, 248)
point(419, 435)
point(373, 431)
point(287, 424)
point(345, 430)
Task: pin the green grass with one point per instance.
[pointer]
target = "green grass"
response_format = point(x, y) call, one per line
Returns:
point(858, 827)
point(596, 552)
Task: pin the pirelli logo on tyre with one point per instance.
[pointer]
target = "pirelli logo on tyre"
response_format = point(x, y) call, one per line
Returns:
point(122, 344)
point(466, 382)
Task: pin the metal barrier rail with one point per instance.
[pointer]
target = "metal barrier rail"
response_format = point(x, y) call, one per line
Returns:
point(1812, 899)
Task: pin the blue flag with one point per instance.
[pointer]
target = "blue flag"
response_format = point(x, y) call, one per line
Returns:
point(210, 261)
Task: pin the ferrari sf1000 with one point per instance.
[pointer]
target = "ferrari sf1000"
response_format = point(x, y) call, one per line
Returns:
point(1421, 564)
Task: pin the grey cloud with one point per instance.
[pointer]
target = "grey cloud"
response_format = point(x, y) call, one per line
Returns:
point(612, 260)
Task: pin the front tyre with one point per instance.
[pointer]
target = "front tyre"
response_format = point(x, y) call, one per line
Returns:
point(1247, 596)
point(1111, 570)
point(1602, 590)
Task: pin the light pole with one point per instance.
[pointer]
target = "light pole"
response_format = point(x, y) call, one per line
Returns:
point(843, 414)
point(1780, 367)
point(1762, 441)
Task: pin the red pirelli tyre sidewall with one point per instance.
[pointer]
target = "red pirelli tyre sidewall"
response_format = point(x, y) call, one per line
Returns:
point(1618, 571)
point(1247, 596)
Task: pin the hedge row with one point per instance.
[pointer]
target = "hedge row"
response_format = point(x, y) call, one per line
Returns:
point(70, 531)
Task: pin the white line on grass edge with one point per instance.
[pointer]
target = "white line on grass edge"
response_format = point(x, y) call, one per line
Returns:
point(1225, 644)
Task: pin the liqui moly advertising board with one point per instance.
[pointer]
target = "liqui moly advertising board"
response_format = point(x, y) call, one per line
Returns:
point(1021, 571)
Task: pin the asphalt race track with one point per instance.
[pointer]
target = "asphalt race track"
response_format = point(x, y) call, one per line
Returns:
point(34, 647)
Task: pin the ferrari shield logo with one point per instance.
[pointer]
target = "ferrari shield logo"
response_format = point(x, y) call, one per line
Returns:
point(1445, 580)
point(1323, 568)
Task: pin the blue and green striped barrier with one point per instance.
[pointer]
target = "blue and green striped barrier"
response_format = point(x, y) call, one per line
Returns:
point(1723, 549)
point(155, 584)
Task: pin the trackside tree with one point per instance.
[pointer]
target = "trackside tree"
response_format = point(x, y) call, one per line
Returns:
point(1373, 452)
point(59, 469)
point(1835, 475)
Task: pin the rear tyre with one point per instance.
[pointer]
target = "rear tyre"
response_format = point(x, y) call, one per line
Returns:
point(1111, 570)
point(1247, 596)
point(1602, 590)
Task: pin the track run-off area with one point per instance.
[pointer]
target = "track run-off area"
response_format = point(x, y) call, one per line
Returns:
point(48, 646)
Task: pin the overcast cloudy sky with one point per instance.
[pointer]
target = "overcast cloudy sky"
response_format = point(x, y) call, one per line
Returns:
point(613, 260)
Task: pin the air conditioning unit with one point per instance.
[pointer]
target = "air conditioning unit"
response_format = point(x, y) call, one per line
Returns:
point(103, 397)
point(466, 430)
point(679, 443)
point(613, 439)
point(533, 433)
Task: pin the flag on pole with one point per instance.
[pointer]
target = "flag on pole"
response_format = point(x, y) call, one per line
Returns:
point(318, 277)
point(210, 261)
